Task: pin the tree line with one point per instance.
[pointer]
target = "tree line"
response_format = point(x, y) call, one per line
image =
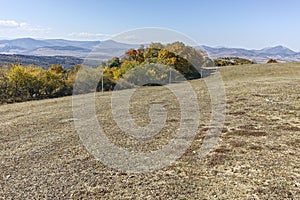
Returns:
point(42, 61)
point(22, 83)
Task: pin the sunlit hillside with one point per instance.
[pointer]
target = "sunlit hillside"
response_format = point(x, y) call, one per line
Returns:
point(257, 155)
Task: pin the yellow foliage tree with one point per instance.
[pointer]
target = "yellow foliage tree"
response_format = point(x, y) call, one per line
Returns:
point(19, 79)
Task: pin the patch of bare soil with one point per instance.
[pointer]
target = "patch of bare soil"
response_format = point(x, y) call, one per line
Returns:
point(257, 156)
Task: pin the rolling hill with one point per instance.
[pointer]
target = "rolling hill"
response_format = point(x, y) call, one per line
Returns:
point(42, 61)
point(257, 157)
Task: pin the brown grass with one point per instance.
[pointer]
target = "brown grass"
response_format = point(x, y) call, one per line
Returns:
point(248, 133)
point(257, 157)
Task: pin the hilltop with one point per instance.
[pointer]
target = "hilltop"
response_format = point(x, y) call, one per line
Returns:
point(257, 156)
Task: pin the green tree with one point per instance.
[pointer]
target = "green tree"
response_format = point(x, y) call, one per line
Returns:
point(114, 62)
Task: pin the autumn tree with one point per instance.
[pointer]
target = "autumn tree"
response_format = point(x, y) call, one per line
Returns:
point(109, 79)
point(58, 69)
point(131, 54)
point(19, 80)
point(36, 82)
point(150, 74)
point(5, 89)
point(271, 61)
point(152, 64)
point(118, 72)
point(140, 54)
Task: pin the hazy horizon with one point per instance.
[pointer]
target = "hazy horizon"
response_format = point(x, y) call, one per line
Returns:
point(219, 46)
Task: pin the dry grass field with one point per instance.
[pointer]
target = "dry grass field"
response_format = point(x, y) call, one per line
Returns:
point(257, 155)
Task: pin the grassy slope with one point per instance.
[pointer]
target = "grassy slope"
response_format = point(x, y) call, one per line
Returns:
point(258, 155)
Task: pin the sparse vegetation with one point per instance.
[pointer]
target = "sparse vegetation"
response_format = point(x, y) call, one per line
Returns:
point(227, 61)
point(272, 61)
point(256, 158)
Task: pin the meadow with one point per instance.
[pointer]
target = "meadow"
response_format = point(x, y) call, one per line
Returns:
point(257, 155)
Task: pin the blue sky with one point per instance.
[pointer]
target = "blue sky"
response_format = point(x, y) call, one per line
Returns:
point(252, 24)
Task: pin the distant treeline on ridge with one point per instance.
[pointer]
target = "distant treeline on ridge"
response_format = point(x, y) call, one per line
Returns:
point(41, 61)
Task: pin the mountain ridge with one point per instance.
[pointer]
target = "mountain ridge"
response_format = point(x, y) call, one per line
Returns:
point(279, 52)
point(107, 49)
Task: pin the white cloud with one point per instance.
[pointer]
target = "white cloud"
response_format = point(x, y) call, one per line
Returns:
point(15, 28)
point(27, 27)
point(8, 23)
point(90, 36)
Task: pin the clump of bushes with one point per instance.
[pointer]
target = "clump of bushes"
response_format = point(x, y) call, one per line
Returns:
point(272, 61)
point(228, 61)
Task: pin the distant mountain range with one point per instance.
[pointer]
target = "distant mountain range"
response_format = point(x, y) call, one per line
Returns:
point(279, 53)
point(103, 50)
